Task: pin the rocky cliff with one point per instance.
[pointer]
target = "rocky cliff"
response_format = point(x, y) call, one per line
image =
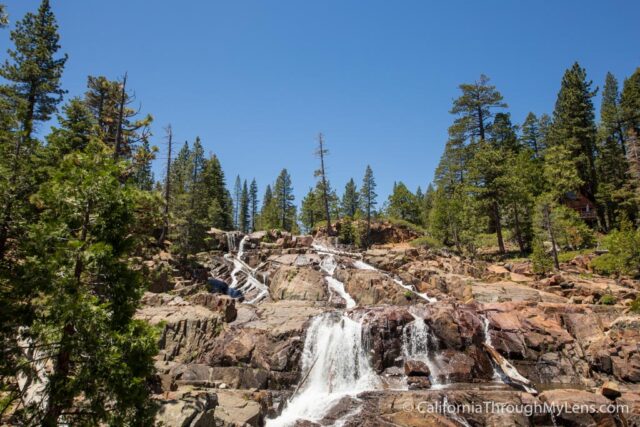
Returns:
point(287, 330)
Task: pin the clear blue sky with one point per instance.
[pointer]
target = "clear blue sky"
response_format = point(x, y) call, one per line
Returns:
point(257, 80)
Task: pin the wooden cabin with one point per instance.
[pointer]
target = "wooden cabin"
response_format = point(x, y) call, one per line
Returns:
point(581, 204)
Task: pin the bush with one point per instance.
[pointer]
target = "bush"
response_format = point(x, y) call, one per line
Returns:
point(541, 259)
point(607, 299)
point(427, 241)
point(624, 252)
point(635, 306)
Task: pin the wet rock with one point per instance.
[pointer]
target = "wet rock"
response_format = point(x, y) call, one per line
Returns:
point(582, 399)
point(610, 390)
point(416, 368)
point(417, 383)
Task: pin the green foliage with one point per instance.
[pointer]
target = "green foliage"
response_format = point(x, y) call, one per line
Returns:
point(635, 306)
point(85, 292)
point(426, 241)
point(607, 299)
point(350, 204)
point(624, 252)
point(283, 201)
point(540, 258)
point(403, 204)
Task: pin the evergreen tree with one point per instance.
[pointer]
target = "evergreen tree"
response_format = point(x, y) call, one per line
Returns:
point(473, 109)
point(143, 175)
point(630, 110)
point(217, 197)
point(244, 208)
point(4, 18)
point(237, 193)
point(323, 183)
point(269, 218)
point(403, 204)
point(283, 197)
point(119, 122)
point(253, 204)
point(611, 164)
point(574, 128)
point(33, 74)
point(309, 214)
point(368, 200)
point(85, 294)
point(532, 135)
point(350, 199)
point(503, 133)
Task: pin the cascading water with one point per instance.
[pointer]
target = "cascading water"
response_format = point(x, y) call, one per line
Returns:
point(252, 287)
point(507, 368)
point(419, 343)
point(334, 365)
point(329, 266)
point(489, 343)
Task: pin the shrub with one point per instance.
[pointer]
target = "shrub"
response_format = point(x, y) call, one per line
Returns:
point(607, 299)
point(541, 259)
point(624, 252)
point(427, 241)
point(635, 306)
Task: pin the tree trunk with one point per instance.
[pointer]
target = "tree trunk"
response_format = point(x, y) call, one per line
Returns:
point(123, 95)
point(518, 231)
point(554, 250)
point(167, 192)
point(496, 215)
point(325, 195)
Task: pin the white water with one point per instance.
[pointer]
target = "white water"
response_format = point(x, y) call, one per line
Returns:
point(251, 284)
point(335, 364)
point(488, 342)
point(508, 369)
point(419, 343)
point(329, 266)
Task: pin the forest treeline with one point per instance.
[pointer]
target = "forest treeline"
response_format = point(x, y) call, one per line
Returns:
point(80, 209)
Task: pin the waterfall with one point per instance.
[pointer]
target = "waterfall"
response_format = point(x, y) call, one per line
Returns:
point(334, 365)
point(510, 371)
point(251, 285)
point(419, 343)
point(329, 266)
point(489, 343)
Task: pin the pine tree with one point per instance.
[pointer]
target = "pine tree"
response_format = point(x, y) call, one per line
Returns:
point(531, 135)
point(474, 109)
point(323, 183)
point(630, 110)
point(403, 204)
point(309, 215)
point(85, 294)
point(4, 18)
point(167, 187)
point(350, 199)
point(143, 175)
point(368, 200)
point(253, 204)
point(574, 128)
point(283, 197)
point(33, 74)
point(237, 193)
point(119, 120)
point(503, 134)
point(217, 197)
point(244, 208)
point(269, 218)
point(611, 164)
